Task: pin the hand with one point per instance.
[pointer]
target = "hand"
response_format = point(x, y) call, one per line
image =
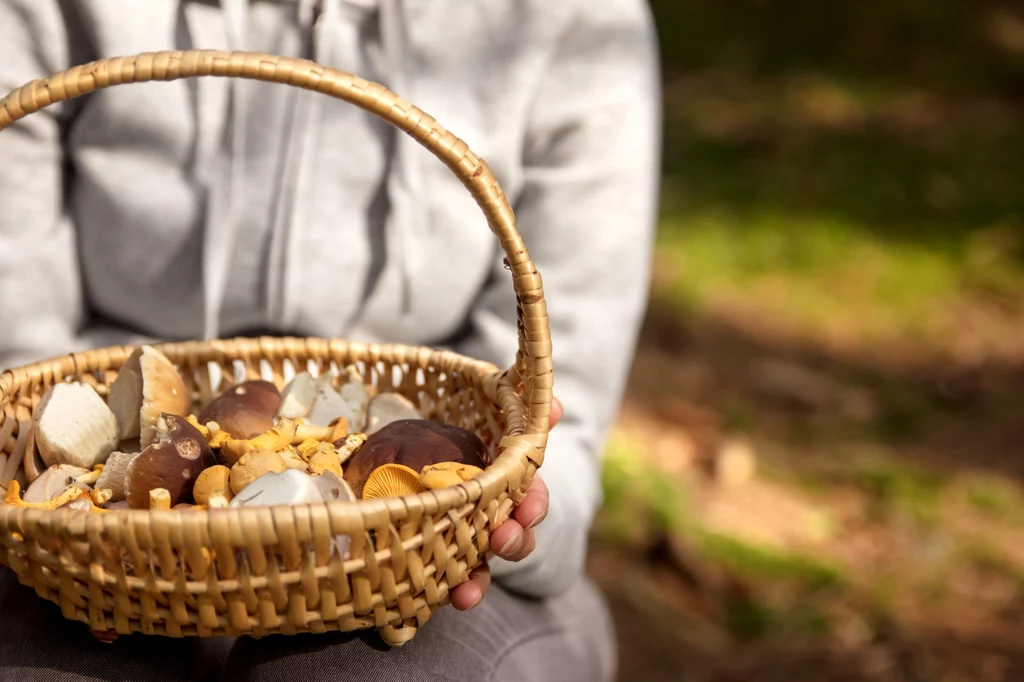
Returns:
point(512, 540)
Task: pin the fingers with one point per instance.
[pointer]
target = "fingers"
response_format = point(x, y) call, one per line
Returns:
point(470, 593)
point(534, 508)
point(511, 541)
point(556, 411)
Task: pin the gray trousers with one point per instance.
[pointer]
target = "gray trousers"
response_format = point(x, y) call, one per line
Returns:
point(504, 639)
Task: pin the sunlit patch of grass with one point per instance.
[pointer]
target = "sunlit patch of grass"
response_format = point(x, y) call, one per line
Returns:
point(896, 487)
point(994, 496)
point(821, 276)
point(763, 563)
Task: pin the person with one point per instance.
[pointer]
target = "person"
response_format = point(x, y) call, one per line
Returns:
point(215, 207)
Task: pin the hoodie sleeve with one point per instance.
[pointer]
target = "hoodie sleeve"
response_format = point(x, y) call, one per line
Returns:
point(587, 214)
point(40, 290)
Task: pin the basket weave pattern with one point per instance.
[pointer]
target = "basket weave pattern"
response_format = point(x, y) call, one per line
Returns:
point(269, 570)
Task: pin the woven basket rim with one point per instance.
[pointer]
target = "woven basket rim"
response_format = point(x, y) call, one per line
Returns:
point(44, 373)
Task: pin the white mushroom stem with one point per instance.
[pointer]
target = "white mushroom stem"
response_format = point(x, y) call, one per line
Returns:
point(159, 498)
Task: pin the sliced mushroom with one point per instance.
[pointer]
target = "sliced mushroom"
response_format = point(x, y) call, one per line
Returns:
point(172, 463)
point(254, 465)
point(348, 401)
point(348, 446)
point(74, 426)
point(392, 480)
point(385, 408)
point(115, 474)
point(298, 397)
point(445, 474)
point(212, 481)
point(285, 487)
point(245, 410)
point(415, 443)
point(52, 482)
point(13, 497)
point(146, 386)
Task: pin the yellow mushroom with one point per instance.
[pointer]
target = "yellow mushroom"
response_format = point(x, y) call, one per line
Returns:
point(101, 496)
point(91, 477)
point(392, 480)
point(274, 440)
point(216, 479)
point(212, 432)
point(13, 497)
point(253, 465)
point(159, 498)
point(445, 474)
point(325, 461)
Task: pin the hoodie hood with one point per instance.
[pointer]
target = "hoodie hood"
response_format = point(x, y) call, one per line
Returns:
point(221, 158)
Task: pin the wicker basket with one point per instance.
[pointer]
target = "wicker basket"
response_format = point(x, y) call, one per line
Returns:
point(261, 571)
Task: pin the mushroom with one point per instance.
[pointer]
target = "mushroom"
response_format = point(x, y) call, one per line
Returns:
point(415, 443)
point(211, 431)
point(324, 461)
point(172, 463)
point(298, 397)
point(90, 477)
point(349, 445)
point(253, 465)
point(52, 482)
point(282, 436)
point(83, 503)
point(219, 500)
point(385, 408)
point(292, 459)
point(392, 480)
point(115, 474)
point(216, 479)
point(74, 426)
point(159, 498)
point(146, 386)
point(100, 496)
point(445, 474)
point(13, 497)
point(348, 401)
point(282, 487)
point(245, 410)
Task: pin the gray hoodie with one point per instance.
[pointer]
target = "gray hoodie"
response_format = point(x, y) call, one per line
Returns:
point(218, 207)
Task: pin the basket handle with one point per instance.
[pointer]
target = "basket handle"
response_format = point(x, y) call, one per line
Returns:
point(533, 358)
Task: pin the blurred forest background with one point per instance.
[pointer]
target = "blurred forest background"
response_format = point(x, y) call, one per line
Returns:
point(817, 474)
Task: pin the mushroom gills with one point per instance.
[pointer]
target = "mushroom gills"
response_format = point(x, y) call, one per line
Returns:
point(392, 480)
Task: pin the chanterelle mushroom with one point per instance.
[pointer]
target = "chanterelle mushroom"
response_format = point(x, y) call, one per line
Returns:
point(74, 426)
point(172, 463)
point(415, 443)
point(445, 474)
point(392, 480)
point(146, 386)
point(13, 497)
point(252, 466)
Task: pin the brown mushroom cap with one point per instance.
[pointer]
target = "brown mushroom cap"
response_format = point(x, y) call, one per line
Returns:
point(146, 386)
point(173, 463)
point(414, 443)
point(245, 410)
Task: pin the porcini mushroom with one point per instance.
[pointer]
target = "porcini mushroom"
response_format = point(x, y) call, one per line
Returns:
point(216, 479)
point(115, 474)
point(415, 443)
point(392, 480)
point(252, 466)
point(74, 426)
point(147, 385)
point(245, 410)
point(298, 397)
point(445, 474)
point(348, 401)
point(172, 463)
point(385, 408)
point(284, 487)
point(159, 498)
point(52, 482)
